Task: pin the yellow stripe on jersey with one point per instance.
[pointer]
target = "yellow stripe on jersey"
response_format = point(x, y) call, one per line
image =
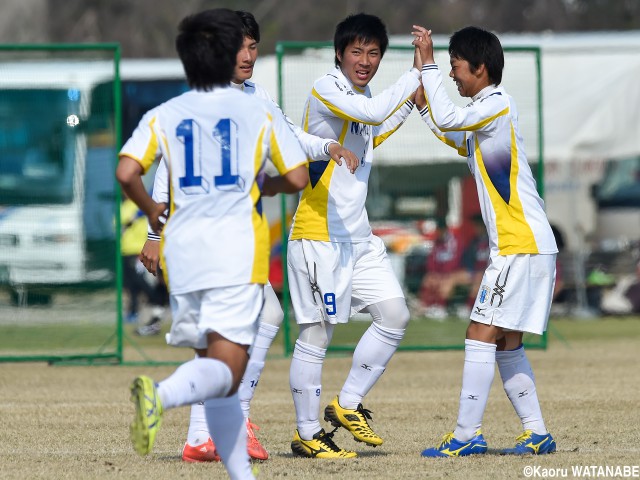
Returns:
point(150, 153)
point(462, 151)
point(311, 216)
point(474, 126)
point(276, 154)
point(163, 264)
point(262, 246)
point(514, 233)
point(381, 138)
point(172, 207)
point(343, 132)
point(341, 114)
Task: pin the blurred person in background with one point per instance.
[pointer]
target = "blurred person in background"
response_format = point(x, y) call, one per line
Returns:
point(441, 273)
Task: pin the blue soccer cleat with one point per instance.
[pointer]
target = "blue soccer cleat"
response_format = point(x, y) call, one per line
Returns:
point(451, 447)
point(530, 443)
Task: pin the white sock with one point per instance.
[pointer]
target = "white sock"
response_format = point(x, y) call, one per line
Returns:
point(477, 376)
point(370, 358)
point(519, 384)
point(195, 381)
point(229, 433)
point(305, 380)
point(259, 349)
point(198, 432)
point(249, 384)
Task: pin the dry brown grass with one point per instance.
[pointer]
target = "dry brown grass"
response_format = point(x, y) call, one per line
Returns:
point(72, 422)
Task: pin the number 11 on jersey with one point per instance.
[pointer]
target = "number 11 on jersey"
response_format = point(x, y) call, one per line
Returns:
point(225, 134)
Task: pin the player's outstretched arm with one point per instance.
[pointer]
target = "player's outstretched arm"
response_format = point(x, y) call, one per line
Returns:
point(291, 182)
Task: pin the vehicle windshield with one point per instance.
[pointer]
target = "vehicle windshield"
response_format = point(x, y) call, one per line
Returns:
point(620, 186)
point(37, 145)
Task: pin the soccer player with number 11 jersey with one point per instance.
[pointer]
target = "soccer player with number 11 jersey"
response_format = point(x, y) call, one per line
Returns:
point(215, 141)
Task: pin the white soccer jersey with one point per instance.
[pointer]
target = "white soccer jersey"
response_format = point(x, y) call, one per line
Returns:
point(315, 148)
point(332, 206)
point(215, 145)
point(486, 132)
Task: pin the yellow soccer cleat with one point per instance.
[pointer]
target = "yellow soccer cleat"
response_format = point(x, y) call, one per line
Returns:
point(353, 420)
point(322, 446)
point(148, 415)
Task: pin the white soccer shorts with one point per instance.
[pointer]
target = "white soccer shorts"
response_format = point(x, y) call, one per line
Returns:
point(230, 311)
point(331, 281)
point(516, 292)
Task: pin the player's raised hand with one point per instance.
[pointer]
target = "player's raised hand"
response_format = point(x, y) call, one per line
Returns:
point(424, 43)
point(417, 59)
point(339, 153)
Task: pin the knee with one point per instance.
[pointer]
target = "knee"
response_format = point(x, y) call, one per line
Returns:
point(316, 335)
point(392, 313)
point(272, 315)
point(309, 353)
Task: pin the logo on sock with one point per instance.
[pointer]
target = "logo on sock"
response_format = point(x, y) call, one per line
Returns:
point(366, 367)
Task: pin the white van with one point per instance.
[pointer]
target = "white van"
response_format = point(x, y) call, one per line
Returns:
point(57, 162)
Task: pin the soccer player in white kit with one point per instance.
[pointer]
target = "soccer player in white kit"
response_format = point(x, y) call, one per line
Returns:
point(517, 286)
point(215, 141)
point(336, 266)
point(199, 447)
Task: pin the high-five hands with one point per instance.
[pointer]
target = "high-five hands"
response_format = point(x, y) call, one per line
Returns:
point(423, 43)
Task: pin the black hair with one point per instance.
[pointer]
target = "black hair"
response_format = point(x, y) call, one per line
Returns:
point(250, 27)
point(207, 44)
point(363, 27)
point(478, 46)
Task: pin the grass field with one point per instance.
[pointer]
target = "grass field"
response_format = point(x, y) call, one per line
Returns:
point(72, 421)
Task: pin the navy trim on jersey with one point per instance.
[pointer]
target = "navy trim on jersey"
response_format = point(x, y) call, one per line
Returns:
point(316, 170)
point(499, 171)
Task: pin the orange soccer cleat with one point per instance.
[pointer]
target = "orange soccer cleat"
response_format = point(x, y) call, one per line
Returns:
point(255, 449)
point(205, 452)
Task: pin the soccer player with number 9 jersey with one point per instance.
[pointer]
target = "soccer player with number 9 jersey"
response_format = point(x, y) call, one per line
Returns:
point(336, 266)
